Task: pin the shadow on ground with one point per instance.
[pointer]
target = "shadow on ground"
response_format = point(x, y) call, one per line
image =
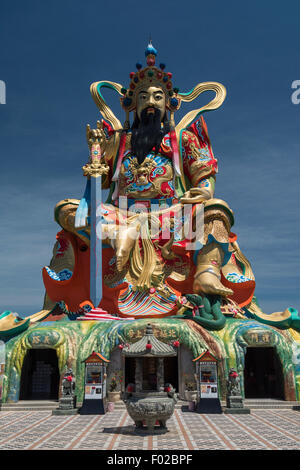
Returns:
point(133, 431)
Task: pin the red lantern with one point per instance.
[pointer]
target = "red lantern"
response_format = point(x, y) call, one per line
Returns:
point(121, 346)
point(176, 344)
point(149, 346)
point(167, 389)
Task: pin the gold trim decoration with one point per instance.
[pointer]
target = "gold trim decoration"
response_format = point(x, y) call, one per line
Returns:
point(147, 271)
point(104, 109)
point(215, 103)
point(242, 258)
point(269, 317)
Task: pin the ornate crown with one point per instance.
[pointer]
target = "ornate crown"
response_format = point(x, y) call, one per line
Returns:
point(152, 75)
point(145, 77)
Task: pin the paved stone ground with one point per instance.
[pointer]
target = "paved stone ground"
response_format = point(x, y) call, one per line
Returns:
point(40, 430)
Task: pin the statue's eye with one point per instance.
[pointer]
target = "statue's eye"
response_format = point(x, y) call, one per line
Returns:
point(158, 97)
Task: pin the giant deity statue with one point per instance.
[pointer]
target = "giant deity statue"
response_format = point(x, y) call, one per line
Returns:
point(166, 242)
point(148, 245)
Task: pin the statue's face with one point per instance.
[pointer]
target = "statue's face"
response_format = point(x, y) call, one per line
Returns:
point(151, 98)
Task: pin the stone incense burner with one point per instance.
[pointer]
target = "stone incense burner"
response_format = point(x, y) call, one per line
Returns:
point(150, 408)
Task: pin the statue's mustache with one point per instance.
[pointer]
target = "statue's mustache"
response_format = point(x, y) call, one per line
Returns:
point(150, 117)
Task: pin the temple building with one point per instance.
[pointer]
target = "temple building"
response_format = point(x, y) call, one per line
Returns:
point(152, 280)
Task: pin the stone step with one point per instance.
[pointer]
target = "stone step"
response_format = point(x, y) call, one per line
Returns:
point(38, 405)
point(247, 404)
point(35, 405)
point(45, 405)
point(270, 406)
point(268, 403)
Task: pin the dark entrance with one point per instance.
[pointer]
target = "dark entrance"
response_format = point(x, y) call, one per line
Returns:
point(263, 376)
point(149, 372)
point(129, 371)
point(171, 371)
point(40, 375)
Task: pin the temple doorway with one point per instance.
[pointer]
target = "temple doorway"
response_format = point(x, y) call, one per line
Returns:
point(40, 375)
point(150, 371)
point(263, 377)
point(129, 370)
point(171, 371)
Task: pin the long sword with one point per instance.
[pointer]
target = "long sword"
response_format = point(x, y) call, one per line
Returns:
point(95, 241)
point(93, 198)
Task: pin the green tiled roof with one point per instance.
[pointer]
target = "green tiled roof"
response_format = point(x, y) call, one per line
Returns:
point(158, 349)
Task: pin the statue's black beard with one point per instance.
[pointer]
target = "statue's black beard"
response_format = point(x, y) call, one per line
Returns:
point(148, 133)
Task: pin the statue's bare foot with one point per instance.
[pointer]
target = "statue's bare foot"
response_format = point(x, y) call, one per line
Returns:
point(209, 283)
point(122, 258)
point(124, 244)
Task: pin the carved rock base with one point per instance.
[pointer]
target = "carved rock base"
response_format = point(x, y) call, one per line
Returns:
point(58, 411)
point(67, 406)
point(67, 403)
point(235, 405)
point(237, 411)
point(235, 401)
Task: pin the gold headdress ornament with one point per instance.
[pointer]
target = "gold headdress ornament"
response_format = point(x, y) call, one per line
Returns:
point(152, 75)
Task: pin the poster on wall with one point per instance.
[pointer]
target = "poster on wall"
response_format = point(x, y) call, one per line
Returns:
point(208, 380)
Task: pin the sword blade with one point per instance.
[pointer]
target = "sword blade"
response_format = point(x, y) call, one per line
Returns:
point(95, 242)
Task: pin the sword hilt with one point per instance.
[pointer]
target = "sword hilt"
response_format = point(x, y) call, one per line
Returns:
point(95, 169)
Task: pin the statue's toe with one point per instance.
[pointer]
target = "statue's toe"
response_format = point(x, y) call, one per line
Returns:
point(209, 284)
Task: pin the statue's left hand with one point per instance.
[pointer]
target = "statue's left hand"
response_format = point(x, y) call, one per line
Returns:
point(95, 136)
point(195, 196)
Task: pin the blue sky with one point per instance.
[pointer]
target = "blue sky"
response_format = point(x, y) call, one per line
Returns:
point(50, 54)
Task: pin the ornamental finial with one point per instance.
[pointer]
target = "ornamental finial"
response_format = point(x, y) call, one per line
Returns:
point(150, 54)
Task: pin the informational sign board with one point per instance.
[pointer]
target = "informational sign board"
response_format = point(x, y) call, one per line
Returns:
point(208, 382)
point(95, 385)
point(94, 381)
point(207, 375)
